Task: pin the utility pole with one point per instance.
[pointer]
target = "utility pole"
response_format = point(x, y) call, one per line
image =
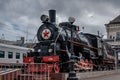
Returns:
point(115, 59)
point(26, 35)
point(98, 33)
point(115, 52)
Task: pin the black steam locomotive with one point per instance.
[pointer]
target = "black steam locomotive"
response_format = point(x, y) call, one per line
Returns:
point(54, 47)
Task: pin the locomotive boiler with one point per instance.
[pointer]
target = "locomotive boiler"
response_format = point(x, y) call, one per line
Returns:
point(54, 47)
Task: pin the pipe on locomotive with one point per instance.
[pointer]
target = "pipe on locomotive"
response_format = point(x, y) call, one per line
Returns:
point(52, 16)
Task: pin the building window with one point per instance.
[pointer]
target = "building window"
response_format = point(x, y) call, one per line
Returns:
point(17, 55)
point(113, 37)
point(110, 37)
point(2, 54)
point(117, 35)
point(10, 54)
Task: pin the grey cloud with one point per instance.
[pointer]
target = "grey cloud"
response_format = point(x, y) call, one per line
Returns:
point(23, 14)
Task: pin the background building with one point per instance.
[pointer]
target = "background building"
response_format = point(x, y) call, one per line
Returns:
point(113, 34)
point(20, 42)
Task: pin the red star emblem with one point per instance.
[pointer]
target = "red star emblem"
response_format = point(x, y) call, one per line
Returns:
point(46, 33)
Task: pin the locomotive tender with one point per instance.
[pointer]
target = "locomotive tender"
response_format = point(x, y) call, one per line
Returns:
point(54, 47)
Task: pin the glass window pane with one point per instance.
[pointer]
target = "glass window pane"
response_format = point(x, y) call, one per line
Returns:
point(2, 54)
point(118, 35)
point(17, 55)
point(10, 54)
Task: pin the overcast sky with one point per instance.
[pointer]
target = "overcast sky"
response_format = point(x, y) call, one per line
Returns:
point(21, 17)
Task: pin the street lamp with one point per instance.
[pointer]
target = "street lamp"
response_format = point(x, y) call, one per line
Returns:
point(72, 74)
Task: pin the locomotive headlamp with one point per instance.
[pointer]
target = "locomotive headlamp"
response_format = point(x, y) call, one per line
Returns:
point(71, 20)
point(44, 18)
point(50, 50)
point(39, 50)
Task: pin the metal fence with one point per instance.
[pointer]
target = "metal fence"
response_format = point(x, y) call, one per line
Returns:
point(31, 71)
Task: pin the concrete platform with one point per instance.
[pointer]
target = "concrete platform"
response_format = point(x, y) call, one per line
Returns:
point(14, 74)
point(83, 75)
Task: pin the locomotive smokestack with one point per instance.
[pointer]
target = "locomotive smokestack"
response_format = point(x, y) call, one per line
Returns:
point(52, 16)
